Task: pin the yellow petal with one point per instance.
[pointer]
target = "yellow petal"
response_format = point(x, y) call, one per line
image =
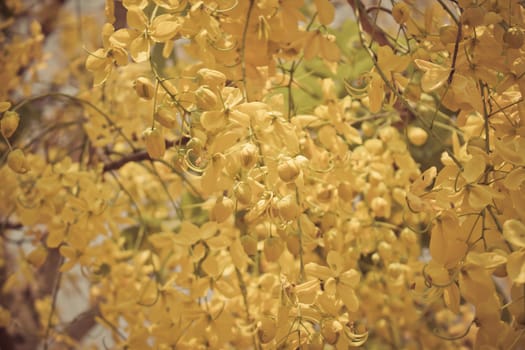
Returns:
point(96, 60)
point(335, 262)
point(435, 75)
point(350, 278)
point(452, 297)
point(488, 260)
point(140, 48)
point(239, 257)
point(136, 18)
point(318, 271)
point(164, 28)
point(516, 267)
point(325, 11)
point(122, 37)
point(390, 62)
point(514, 232)
point(474, 168)
point(212, 121)
point(376, 92)
point(329, 49)
point(479, 196)
point(348, 296)
point(475, 284)
point(514, 179)
point(4, 106)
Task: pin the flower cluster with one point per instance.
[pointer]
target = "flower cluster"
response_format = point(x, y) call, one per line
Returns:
point(246, 175)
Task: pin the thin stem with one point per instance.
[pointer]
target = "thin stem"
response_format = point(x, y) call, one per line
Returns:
point(79, 101)
point(455, 54)
point(243, 47)
point(398, 94)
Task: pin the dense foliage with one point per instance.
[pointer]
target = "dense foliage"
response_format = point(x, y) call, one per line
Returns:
point(251, 174)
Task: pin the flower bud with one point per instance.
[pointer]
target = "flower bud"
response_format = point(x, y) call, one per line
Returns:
point(345, 191)
point(248, 155)
point(368, 129)
point(4, 106)
point(166, 117)
point(9, 123)
point(16, 160)
point(205, 98)
point(222, 209)
point(249, 244)
point(417, 136)
point(288, 170)
point(288, 208)
point(273, 248)
point(155, 144)
point(243, 192)
point(144, 88)
point(380, 207)
point(211, 77)
point(293, 243)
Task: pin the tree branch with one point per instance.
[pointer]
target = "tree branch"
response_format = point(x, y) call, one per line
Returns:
point(139, 156)
point(372, 29)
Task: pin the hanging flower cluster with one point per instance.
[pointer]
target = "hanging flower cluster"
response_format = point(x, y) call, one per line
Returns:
point(246, 175)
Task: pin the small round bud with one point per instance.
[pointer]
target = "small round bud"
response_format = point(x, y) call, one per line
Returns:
point(273, 248)
point(243, 192)
point(288, 208)
point(222, 209)
point(380, 207)
point(155, 144)
point(16, 160)
point(205, 98)
point(293, 243)
point(345, 191)
point(288, 170)
point(249, 155)
point(166, 117)
point(514, 37)
point(9, 123)
point(417, 136)
point(144, 88)
point(249, 244)
point(368, 129)
point(374, 146)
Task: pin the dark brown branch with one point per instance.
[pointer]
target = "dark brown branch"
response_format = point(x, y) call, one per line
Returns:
point(79, 327)
point(372, 29)
point(455, 54)
point(139, 156)
point(10, 226)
